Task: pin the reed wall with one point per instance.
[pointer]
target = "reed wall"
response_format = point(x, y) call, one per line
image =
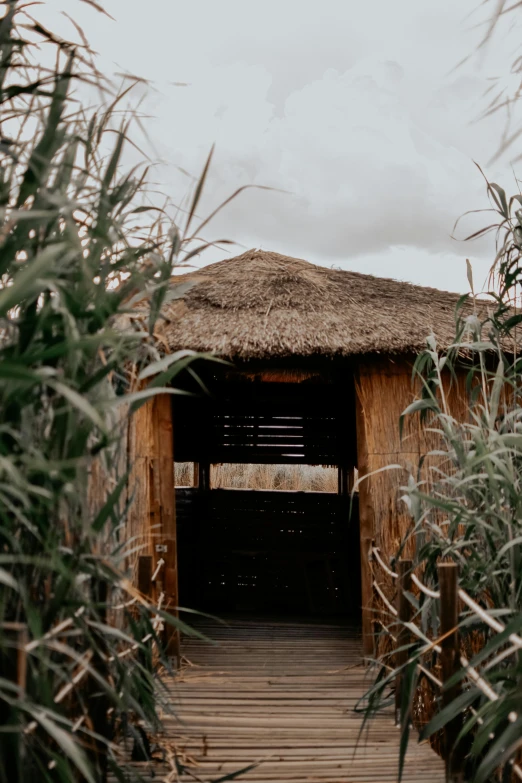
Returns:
point(384, 389)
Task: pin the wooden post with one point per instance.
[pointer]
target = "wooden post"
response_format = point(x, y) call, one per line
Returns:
point(404, 568)
point(99, 702)
point(450, 664)
point(152, 515)
point(351, 478)
point(204, 476)
point(366, 531)
point(342, 480)
point(165, 496)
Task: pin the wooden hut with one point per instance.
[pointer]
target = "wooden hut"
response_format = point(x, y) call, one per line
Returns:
point(317, 370)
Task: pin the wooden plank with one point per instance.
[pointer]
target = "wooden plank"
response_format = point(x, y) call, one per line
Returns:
point(281, 694)
point(141, 516)
point(247, 422)
point(450, 664)
point(366, 523)
point(404, 609)
point(204, 476)
point(152, 514)
point(163, 466)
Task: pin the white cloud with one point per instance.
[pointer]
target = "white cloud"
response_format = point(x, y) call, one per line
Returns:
point(361, 174)
point(351, 108)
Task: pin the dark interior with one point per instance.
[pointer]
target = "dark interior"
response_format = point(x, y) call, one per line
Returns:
point(270, 551)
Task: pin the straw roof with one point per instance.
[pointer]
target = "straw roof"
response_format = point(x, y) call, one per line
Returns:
point(263, 304)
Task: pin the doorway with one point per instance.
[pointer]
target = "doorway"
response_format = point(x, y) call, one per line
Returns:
point(257, 550)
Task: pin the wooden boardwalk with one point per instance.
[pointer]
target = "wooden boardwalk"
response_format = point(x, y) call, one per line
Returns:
point(281, 695)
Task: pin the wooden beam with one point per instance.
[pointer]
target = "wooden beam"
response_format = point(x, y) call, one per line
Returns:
point(404, 607)
point(165, 501)
point(450, 665)
point(141, 521)
point(366, 523)
point(343, 481)
point(204, 476)
point(152, 515)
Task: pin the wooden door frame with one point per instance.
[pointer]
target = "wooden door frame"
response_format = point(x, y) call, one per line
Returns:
point(152, 515)
point(366, 527)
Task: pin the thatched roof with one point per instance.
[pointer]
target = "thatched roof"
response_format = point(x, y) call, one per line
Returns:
point(263, 304)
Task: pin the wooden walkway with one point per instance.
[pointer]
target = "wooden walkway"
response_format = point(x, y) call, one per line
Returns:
point(282, 694)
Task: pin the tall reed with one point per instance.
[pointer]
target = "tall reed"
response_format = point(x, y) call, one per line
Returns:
point(79, 242)
point(466, 507)
point(303, 478)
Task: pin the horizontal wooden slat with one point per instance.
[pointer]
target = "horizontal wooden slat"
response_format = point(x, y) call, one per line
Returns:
point(266, 424)
point(282, 695)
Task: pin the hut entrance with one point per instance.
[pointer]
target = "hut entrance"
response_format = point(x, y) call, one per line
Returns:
point(250, 544)
point(269, 551)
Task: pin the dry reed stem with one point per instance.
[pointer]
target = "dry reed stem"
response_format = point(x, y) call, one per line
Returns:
point(304, 478)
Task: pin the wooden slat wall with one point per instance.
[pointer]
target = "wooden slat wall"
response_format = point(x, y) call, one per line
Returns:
point(271, 423)
point(275, 436)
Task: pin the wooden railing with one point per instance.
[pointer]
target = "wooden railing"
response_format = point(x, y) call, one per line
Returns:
point(451, 658)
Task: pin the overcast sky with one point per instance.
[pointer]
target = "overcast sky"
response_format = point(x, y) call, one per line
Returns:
point(354, 109)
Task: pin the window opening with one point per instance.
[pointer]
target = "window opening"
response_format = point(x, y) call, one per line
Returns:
point(286, 478)
point(184, 474)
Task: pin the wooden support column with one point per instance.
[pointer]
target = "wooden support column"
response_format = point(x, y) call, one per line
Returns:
point(450, 665)
point(141, 519)
point(204, 476)
point(152, 516)
point(404, 607)
point(366, 525)
point(343, 479)
point(165, 500)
